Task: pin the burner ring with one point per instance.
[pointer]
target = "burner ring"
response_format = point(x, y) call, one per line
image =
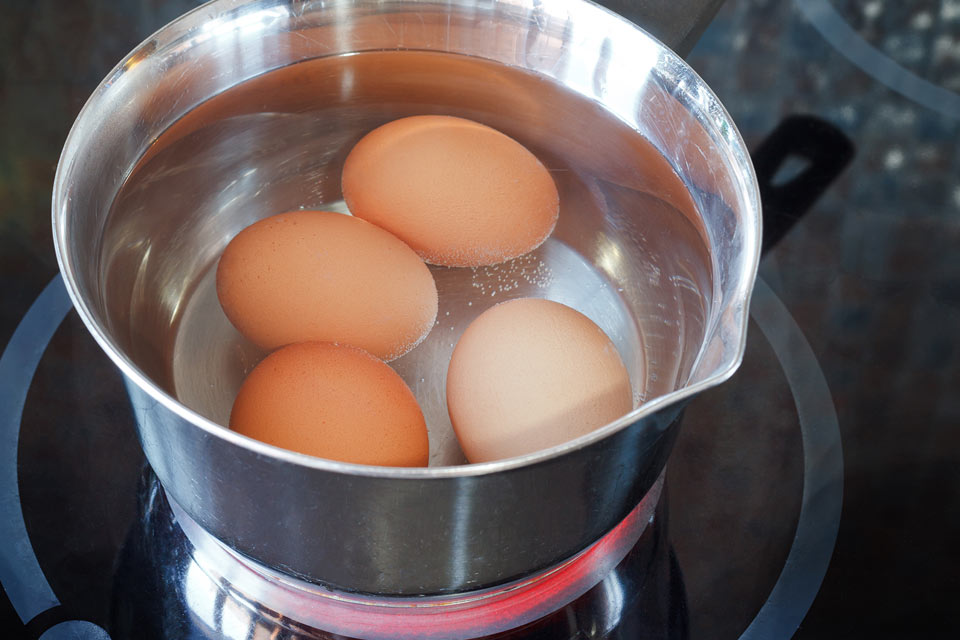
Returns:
point(835, 30)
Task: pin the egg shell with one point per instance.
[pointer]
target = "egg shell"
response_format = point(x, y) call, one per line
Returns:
point(530, 374)
point(460, 193)
point(316, 275)
point(332, 401)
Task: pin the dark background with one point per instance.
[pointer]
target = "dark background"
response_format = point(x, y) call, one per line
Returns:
point(871, 274)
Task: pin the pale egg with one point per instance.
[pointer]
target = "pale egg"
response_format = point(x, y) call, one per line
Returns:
point(530, 374)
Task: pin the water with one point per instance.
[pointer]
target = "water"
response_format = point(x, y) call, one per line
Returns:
point(627, 251)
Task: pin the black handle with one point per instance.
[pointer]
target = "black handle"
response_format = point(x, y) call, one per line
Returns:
point(817, 151)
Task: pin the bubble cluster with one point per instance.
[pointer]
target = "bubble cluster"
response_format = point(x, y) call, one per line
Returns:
point(512, 275)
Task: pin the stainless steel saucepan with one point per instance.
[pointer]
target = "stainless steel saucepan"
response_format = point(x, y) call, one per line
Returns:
point(242, 109)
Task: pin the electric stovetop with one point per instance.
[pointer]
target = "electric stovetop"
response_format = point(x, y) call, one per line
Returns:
point(815, 495)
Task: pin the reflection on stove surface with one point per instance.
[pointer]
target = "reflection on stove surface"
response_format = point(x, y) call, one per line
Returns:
point(163, 590)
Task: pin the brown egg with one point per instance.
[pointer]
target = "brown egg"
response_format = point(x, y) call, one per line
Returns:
point(458, 192)
point(315, 275)
point(529, 374)
point(335, 402)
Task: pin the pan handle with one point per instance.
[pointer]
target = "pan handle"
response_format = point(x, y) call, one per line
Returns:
point(795, 165)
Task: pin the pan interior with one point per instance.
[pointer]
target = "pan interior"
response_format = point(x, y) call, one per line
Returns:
point(628, 250)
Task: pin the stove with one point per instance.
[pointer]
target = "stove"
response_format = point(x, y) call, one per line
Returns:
point(100, 551)
point(812, 496)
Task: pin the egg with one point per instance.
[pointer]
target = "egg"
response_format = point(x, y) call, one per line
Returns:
point(530, 374)
point(460, 193)
point(322, 276)
point(332, 401)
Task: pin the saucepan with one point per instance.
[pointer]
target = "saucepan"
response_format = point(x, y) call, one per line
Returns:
point(242, 109)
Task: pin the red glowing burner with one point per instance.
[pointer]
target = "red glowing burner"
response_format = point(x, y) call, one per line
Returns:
point(463, 615)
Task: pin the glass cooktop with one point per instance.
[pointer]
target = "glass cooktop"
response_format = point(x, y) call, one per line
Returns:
point(813, 496)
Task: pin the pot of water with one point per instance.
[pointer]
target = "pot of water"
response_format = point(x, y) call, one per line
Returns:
point(242, 109)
